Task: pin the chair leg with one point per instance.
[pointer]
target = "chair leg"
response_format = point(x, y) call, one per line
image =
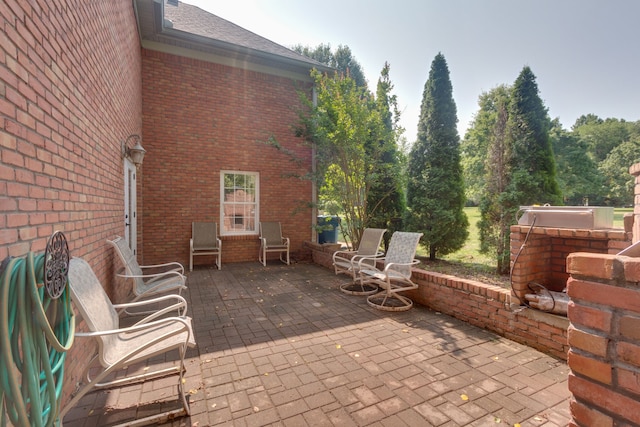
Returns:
point(287, 260)
point(262, 256)
point(191, 261)
point(389, 301)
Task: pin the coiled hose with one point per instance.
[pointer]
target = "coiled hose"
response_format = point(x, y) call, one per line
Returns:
point(32, 352)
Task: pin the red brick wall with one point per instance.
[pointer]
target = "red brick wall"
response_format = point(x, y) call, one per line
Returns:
point(543, 258)
point(604, 337)
point(69, 92)
point(200, 118)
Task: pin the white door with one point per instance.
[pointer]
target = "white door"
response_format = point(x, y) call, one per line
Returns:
point(130, 214)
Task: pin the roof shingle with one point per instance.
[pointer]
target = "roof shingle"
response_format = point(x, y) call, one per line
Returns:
point(193, 20)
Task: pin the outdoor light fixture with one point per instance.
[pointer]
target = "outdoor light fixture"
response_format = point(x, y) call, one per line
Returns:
point(134, 152)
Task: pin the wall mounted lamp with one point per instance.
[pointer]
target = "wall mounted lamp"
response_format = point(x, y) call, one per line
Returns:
point(132, 149)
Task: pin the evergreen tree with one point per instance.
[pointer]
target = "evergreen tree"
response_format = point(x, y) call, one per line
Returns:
point(474, 147)
point(342, 60)
point(495, 206)
point(533, 167)
point(435, 190)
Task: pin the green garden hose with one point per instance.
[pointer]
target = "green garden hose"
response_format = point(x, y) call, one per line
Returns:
point(33, 327)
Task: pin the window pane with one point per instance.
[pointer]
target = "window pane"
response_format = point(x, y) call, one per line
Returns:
point(239, 204)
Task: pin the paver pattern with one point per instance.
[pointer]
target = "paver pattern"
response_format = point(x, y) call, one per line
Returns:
point(282, 346)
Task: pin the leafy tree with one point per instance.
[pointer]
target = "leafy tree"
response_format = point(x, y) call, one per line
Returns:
point(602, 136)
point(533, 168)
point(578, 176)
point(615, 169)
point(610, 143)
point(386, 197)
point(496, 206)
point(352, 143)
point(474, 146)
point(435, 190)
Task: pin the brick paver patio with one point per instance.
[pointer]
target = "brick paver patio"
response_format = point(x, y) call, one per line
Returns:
point(282, 346)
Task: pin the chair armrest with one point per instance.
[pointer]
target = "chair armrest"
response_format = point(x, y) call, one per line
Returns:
point(169, 266)
point(285, 241)
point(402, 264)
point(374, 258)
point(138, 327)
point(181, 303)
point(343, 255)
point(378, 255)
point(154, 275)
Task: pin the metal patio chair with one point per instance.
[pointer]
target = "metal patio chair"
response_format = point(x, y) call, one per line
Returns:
point(148, 280)
point(346, 261)
point(120, 347)
point(205, 241)
point(271, 240)
point(395, 277)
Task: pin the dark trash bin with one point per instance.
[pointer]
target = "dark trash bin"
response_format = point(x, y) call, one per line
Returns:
point(328, 228)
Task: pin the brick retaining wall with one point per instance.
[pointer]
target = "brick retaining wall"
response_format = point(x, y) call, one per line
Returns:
point(486, 306)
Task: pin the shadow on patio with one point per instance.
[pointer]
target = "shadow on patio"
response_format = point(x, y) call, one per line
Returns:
point(282, 345)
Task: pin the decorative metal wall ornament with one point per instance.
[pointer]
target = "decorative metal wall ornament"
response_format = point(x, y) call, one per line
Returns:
point(56, 265)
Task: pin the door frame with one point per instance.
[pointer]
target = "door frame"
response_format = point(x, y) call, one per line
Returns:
point(130, 206)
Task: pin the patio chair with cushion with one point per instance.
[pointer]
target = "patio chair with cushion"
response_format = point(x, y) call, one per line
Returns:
point(271, 240)
point(121, 347)
point(395, 277)
point(205, 241)
point(346, 261)
point(149, 280)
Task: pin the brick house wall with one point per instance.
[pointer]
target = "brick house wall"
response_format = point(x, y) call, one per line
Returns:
point(69, 93)
point(200, 118)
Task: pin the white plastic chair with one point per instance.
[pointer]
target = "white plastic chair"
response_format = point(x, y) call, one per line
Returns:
point(395, 277)
point(346, 261)
point(120, 347)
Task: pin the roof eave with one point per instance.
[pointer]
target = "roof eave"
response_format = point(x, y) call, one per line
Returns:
point(233, 51)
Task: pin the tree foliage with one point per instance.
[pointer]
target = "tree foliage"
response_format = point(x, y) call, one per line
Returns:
point(474, 146)
point(611, 143)
point(518, 169)
point(580, 181)
point(435, 188)
point(386, 196)
point(615, 169)
point(533, 179)
point(496, 206)
point(342, 60)
point(355, 136)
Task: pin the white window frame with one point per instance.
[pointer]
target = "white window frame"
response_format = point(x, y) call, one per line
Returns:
point(225, 229)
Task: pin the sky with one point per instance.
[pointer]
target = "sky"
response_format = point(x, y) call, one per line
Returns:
point(585, 54)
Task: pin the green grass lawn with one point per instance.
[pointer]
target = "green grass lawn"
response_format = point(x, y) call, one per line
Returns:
point(470, 263)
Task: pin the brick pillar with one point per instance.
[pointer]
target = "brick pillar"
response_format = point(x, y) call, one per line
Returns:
point(604, 339)
point(635, 171)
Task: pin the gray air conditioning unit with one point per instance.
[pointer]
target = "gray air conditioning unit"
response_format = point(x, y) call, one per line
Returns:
point(579, 217)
